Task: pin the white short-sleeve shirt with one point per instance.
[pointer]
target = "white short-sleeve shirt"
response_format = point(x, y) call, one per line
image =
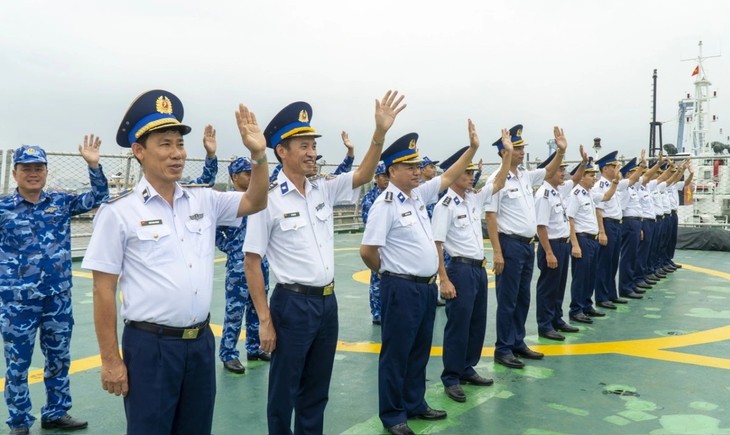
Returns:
point(457, 222)
point(514, 204)
point(163, 255)
point(296, 232)
point(583, 211)
point(400, 227)
point(550, 211)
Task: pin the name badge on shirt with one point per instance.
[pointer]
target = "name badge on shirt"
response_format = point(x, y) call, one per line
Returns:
point(196, 217)
point(461, 216)
point(319, 206)
point(291, 214)
point(408, 213)
point(151, 222)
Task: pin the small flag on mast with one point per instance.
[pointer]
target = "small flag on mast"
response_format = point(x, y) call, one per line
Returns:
point(696, 71)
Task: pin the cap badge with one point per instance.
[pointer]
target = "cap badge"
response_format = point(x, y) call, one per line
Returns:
point(412, 144)
point(164, 105)
point(303, 117)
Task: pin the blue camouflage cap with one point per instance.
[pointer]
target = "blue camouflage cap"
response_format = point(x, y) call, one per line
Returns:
point(446, 164)
point(380, 169)
point(241, 164)
point(291, 121)
point(29, 154)
point(426, 161)
point(153, 110)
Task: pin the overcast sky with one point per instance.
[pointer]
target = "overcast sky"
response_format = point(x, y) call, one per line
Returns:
point(72, 67)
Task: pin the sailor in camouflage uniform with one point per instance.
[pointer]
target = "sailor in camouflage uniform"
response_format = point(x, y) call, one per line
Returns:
point(381, 182)
point(35, 283)
point(238, 302)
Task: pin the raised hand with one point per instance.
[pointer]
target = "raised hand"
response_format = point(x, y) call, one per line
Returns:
point(90, 150)
point(506, 139)
point(209, 142)
point(473, 137)
point(560, 139)
point(583, 154)
point(346, 140)
point(250, 131)
point(387, 109)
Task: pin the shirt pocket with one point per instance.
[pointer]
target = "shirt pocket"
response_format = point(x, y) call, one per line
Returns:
point(202, 235)
point(513, 194)
point(294, 230)
point(324, 219)
point(155, 244)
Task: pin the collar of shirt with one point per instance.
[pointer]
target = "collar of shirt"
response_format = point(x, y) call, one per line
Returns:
point(399, 195)
point(17, 199)
point(285, 185)
point(457, 199)
point(146, 192)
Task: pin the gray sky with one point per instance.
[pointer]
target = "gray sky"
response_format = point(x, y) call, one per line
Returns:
point(74, 67)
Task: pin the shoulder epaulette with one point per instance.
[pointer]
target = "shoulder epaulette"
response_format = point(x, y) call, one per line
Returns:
point(576, 191)
point(546, 194)
point(119, 195)
point(195, 185)
point(446, 200)
point(388, 196)
point(273, 185)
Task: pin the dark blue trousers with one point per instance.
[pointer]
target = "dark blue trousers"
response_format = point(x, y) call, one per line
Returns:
point(583, 275)
point(551, 286)
point(171, 382)
point(628, 263)
point(645, 245)
point(301, 365)
point(513, 294)
point(607, 263)
point(672, 243)
point(466, 322)
point(408, 310)
point(656, 245)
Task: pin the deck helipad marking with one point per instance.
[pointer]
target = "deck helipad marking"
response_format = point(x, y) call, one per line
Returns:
point(649, 348)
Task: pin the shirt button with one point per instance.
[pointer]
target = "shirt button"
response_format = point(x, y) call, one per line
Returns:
point(182, 239)
point(190, 265)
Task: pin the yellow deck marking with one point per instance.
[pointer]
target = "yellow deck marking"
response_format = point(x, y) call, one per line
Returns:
point(650, 348)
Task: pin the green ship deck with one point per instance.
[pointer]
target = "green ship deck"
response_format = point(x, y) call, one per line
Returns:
point(655, 366)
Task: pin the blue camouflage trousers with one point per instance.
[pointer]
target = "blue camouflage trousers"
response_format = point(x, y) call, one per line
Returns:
point(238, 305)
point(19, 322)
point(375, 295)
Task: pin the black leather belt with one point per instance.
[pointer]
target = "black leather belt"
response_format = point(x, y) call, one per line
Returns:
point(650, 219)
point(561, 240)
point(659, 217)
point(418, 279)
point(188, 333)
point(674, 213)
point(633, 218)
point(519, 238)
point(616, 221)
point(588, 235)
point(309, 290)
point(473, 262)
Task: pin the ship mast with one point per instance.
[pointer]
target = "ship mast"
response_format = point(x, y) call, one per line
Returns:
point(698, 120)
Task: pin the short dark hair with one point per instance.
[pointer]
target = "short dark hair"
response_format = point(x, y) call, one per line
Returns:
point(285, 144)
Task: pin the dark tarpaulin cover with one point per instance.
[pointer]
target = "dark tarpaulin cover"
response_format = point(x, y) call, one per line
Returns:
point(705, 239)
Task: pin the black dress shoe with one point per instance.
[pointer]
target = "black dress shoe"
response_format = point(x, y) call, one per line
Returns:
point(455, 392)
point(676, 266)
point(234, 365)
point(643, 285)
point(650, 281)
point(261, 355)
point(377, 321)
point(432, 414)
point(528, 353)
point(567, 328)
point(19, 431)
point(582, 318)
point(653, 277)
point(551, 335)
point(400, 429)
point(593, 313)
point(633, 295)
point(509, 361)
point(640, 291)
point(619, 301)
point(65, 423)
point(606, 304)
point(660, 274)
point(475, 379)
point(668, 268)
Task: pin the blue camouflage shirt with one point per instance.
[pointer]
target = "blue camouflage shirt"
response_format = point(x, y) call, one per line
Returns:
point(367, 201)
point(35, 240)
point(344, 167)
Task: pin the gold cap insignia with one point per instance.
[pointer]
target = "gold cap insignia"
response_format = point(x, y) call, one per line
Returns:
point(164, 105)
point(303, 116)
point(30, 150)
point(519, 133)
point(412, 144)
